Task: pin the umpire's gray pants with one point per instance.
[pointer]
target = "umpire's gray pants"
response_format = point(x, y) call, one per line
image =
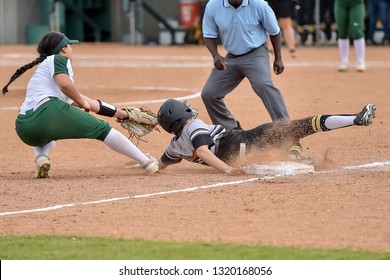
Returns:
point(256, 67)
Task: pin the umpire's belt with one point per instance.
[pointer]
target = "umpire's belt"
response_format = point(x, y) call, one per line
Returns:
point(234, 56)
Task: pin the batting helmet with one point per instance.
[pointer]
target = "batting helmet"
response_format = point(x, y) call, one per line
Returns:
point(173, 114)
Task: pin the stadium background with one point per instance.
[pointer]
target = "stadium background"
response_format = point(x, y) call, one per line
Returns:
point(131, 21)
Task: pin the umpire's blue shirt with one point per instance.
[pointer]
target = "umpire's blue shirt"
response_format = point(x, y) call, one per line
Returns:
point(241, 29)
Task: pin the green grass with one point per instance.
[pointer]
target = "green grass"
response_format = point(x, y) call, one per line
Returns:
point(94, 248)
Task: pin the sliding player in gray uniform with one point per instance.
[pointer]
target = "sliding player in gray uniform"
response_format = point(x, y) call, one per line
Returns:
point(46, 114)
point(215, 146)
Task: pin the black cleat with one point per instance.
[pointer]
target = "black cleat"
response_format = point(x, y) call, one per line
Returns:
point(365, 117)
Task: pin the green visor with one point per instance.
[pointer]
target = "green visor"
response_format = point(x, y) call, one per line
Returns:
point(62, 44)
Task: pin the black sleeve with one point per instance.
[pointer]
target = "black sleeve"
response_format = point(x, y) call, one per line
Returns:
point(202, 139)
point(167, 160)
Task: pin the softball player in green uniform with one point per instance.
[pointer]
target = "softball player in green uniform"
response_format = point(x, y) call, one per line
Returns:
point(47, 114)
point(214, 145)
point(349, 15)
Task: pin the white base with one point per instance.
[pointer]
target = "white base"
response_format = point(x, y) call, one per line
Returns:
point(279, 168)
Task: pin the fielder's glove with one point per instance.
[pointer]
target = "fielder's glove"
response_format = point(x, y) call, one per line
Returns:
point(140, 121)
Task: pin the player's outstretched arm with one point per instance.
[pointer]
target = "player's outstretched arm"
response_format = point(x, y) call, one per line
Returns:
point(68, 88)
point(212, 160)
point(96, 107)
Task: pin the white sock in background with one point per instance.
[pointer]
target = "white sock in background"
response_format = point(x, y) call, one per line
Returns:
point(360, 49)
point(344, 50)
point(119, 143)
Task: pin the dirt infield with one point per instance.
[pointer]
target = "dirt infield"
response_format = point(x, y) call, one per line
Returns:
point(331, 208)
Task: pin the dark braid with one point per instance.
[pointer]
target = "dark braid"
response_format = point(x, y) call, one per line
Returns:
point(45, 47)
point(21, 70)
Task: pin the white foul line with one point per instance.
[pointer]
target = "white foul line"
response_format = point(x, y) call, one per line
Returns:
point(127, 197)
point(221, 184)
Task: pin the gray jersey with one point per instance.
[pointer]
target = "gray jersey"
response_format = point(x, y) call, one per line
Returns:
point(194, 134)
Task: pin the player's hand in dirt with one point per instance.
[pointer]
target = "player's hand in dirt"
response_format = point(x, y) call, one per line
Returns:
point(235, 171)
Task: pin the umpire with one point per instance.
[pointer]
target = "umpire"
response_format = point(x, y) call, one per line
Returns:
point(242, 25)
